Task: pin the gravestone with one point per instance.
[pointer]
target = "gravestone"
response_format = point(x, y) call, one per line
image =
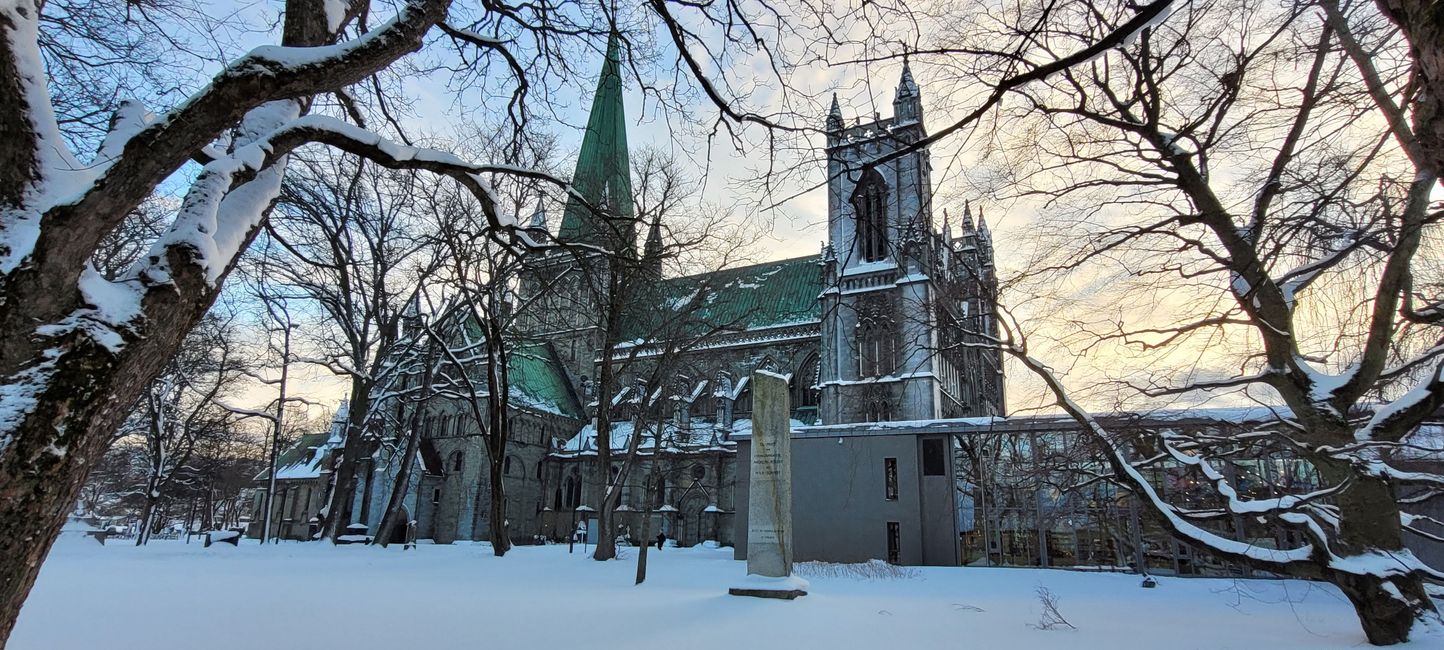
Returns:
point(769, 505)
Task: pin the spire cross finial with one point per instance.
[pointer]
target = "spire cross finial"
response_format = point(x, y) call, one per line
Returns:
point(834, 115)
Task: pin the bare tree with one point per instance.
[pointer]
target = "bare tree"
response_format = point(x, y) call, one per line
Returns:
point(417, 357)
point(476, 350)
point(632, 317)
point(652, 408)
point(111, 482)
point(480, 281)
point(347, 244)
point(222, 474)
point(279, 326)
point(78, 348)
point(181, 410)
point(1257, 171)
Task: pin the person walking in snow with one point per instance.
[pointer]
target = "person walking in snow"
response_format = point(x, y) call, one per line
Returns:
point(661, 540)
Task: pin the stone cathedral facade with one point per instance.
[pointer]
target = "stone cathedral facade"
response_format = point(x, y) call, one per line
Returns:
point(873, 328)
point(897, 294)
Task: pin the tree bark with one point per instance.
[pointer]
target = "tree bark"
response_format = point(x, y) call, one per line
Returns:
point(76, 389)
point(606, 385)
point(147, 515)
point(500, 539)
point(343, 481)
point(653, 501)
point(392, 517)
point(208, 510)
point(1388, 608)
point(499, 386)
point(1369, 524)
point(87, 397)
point(1422, 22)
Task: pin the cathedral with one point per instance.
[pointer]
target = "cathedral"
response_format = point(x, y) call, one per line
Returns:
point(883, 334)
point(873, 328)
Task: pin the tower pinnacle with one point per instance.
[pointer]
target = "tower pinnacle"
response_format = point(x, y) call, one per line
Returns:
point(907, 87)
point(907, 104)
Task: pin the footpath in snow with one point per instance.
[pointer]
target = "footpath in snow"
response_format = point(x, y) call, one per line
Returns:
point(294, 595)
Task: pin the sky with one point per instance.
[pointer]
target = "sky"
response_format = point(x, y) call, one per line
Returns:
point(730, 178)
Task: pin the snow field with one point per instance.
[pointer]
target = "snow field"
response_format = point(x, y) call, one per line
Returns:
point(294, 595)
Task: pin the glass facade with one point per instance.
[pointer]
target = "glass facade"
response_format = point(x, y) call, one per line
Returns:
point(1046, 498)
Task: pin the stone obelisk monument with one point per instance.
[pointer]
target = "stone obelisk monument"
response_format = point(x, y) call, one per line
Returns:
point(769, 505)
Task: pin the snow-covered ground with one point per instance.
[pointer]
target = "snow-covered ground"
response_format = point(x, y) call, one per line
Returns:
point(173, 595)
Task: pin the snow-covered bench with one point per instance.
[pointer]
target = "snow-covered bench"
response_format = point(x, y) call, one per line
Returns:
point(232, 537)
point(106, 533)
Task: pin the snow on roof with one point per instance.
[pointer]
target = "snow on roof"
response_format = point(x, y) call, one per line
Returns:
point(701, 433)
point(1243, 415)
point(303, 460)
point(747, 298)
point(743, 428)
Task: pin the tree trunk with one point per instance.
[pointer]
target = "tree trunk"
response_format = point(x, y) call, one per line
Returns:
point(498, 388)
point(1388, 608)
point(208, 511)
point(1422, 22)
point(28, 527)
point(606, 387)
point(343, 481)
point(646, 540)
point(653, 501)
point(500, 540)
point(45, 466)
point(392, 517)
point(147, 517)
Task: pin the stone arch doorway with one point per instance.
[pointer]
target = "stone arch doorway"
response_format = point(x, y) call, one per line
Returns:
point(398, 533)
point(691, 527)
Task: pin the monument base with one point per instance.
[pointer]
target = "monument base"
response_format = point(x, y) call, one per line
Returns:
point(786, 588)
point(766, 593)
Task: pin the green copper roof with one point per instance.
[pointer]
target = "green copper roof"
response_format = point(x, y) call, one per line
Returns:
point(603, 174)
point(773, 294)
point(538, 381)
point(534, 372)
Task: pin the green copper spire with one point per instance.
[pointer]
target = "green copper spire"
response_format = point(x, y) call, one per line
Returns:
point(603, 175)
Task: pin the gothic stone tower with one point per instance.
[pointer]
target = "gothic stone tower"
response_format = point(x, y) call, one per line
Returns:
point(886, 275)
point(561, 286)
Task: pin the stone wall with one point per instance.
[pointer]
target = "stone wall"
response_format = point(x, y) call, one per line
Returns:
point(698, 505)
point(845, 517)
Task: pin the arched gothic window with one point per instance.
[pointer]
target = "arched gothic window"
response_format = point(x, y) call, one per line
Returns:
point(458, 460)
point(869, 203)
point(879, 410)
point(803, 382)
point(572, 491)
point(876, 339)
